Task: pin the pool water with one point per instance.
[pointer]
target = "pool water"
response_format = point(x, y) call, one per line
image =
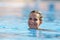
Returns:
point(17, 29)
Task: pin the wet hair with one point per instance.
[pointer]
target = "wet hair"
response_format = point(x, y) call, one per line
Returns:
point(37, 13)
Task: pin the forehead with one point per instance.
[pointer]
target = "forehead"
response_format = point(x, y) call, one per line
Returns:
point(34, 15)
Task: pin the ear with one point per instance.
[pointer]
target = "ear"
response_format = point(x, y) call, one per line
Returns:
point(41, 17)
point(40, 21)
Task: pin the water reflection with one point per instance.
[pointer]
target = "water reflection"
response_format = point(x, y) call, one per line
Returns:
point(42, 34)
point(34, 33)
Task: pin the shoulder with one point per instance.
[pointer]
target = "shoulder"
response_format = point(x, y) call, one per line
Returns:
point(36, 28)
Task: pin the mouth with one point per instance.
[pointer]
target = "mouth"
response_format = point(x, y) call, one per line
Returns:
point(32, 25)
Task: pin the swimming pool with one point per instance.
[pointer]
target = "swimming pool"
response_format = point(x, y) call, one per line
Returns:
point(17, 29)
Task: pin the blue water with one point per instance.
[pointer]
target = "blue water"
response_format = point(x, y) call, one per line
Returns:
point(17, 29)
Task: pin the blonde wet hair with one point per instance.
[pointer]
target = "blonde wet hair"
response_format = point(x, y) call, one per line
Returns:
point(37, 12)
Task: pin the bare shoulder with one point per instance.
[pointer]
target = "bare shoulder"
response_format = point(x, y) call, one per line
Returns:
point(44, 29)
point(47, 30)
point(40, 29)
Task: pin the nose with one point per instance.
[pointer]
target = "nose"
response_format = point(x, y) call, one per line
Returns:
point(32, 21)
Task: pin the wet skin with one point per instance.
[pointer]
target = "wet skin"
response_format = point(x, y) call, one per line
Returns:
point(34, 21)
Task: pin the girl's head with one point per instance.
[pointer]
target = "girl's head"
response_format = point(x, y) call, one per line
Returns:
point(35, 19)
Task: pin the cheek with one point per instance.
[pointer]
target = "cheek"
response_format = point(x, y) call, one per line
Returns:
point(29, 22)
point(38, 22)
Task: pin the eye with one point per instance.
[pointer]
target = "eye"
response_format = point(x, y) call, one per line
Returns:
point(30, 18)
point(35, 19)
